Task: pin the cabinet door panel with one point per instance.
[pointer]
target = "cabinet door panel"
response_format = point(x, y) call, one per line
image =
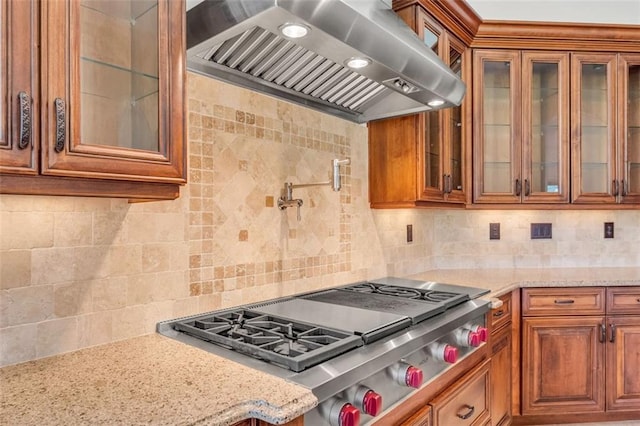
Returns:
point(593, 135)
point(629, 127)
point(563, 365)
point(501, 377)
point(113, 89)
point(18, 129)
point(623, 364)
point(496, 89)
point(545, 122)
point(421, 418)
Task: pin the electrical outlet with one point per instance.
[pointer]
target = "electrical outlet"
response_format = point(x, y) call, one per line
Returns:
point(608, 229)
point(494, 231)
point(409, 233)
point(540, 231)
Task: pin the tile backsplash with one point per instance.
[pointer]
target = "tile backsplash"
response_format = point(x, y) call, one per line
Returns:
point(77, 272)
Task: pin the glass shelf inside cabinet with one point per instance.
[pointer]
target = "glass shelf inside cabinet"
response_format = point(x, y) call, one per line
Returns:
point(119, 73)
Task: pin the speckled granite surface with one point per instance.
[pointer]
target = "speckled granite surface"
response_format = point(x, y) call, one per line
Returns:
point(146, 380)
point(501, 281)
point(156, 380)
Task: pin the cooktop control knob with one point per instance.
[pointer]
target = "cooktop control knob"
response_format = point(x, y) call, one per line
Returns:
point(407, 375)
point(365, 399)
point(343, 413)
point(444, 352)
point(483, 333)
point(467, 338)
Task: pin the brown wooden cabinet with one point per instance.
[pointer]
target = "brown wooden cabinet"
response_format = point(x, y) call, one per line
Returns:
point(100, 111)
point(581, 352)
point(521, 126)
point(420, 160)
point(501, 342)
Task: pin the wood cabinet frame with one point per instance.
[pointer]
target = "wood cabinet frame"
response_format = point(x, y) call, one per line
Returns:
point(83, 169)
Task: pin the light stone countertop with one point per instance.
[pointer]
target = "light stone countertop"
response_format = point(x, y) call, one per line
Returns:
point(155, 380)
point(501, 281)
point(145, 380)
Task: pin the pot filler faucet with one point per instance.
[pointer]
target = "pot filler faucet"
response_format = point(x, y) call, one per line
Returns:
point(287, 199)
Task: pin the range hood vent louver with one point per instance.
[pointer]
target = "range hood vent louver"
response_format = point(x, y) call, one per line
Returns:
point(238, 41)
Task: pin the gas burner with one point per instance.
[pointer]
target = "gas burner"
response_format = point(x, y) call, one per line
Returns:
point(363, 288)
point(407, 293)
point(438, 296)
point(294, 345)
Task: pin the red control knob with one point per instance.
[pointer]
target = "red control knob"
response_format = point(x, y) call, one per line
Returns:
point(450, 354)
point(482, 332)
point(474, 339)
point(372, 403)
point(349, 416)
point(413, 377)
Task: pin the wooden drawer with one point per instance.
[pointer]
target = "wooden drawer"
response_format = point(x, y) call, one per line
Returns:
point(623, 300)
point(421, 418)
point(466, 402)
point(563, 301)
point(502, 315)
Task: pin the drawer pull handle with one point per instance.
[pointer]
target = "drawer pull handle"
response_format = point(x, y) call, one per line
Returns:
point(500, 313)
point(638, 300)
point(603, 333)
point(564, 302)
point(469, 413)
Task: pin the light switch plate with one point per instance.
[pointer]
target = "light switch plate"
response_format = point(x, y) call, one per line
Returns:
point(608, 229)
point(494, 231)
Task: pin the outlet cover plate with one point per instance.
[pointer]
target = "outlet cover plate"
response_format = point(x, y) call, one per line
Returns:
point(494, 231)
point(540, 231)
point(608, 229)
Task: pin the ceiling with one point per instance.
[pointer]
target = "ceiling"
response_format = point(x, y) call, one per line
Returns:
point(587, 11)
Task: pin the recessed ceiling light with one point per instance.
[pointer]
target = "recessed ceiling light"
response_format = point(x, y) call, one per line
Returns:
point(294, 30)
point(357, 63)
point(435, 102)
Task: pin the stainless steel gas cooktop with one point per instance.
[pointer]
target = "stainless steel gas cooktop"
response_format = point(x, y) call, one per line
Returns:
point(390, 333)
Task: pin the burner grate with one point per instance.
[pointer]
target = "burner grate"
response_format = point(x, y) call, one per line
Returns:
point(294, 345)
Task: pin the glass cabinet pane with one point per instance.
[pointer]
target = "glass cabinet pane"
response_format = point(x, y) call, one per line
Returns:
point(594, 119)
point(119, 73)
point(497, 127)
point(545, 132)
point(431, 39)
point(633, 129)
point(455, 127)
point(433, 132)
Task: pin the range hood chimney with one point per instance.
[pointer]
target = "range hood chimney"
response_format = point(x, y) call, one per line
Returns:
point(354, 59)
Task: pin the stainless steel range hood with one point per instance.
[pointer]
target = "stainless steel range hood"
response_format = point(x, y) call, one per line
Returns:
point(240, 41)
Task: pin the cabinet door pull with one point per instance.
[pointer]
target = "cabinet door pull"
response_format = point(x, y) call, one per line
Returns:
point(564, 301)
point(603, 333)
point(24, 140)
point(527, 187)
point(469, 413)
point(61, 123)
point(615, 188)
point(498, 314)
point(613, 333)
point(445, 184)
point(624, 188)
point(518, 187)
point(449, 184)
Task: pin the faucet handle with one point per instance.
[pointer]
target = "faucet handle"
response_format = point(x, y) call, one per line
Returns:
point(299, 204)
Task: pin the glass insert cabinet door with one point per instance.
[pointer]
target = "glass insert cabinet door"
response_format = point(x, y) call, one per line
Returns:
point(114, 79)
point(593, 116)
point(496, 92)
point(432, 35)
point(545, 159)
point(18, 87)
point(629, 127)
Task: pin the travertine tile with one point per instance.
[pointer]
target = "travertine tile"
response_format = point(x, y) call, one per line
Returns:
point(15, 268)
point(25, 305)
point(18, 344)
point(72, 229)
point(57, 336)
point(25, 230)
